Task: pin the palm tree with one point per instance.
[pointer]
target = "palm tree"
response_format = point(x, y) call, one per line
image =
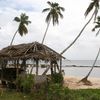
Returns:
point(54, 12)
point(85, 79)
point(94, 5)
point(22, 29)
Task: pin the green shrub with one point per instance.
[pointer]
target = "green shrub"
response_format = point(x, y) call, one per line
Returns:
point(54, 92)
point(94, 97)
point(57, 78)
point(25, 83)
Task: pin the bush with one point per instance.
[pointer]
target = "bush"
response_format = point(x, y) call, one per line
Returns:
point(25, 83)
point(57, 78)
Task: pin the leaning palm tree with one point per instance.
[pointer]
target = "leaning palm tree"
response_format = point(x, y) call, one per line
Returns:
point(94, 5)
point(22, 29)
point(54, 12)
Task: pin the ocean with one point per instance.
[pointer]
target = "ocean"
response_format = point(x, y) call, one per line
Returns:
point(76, 68)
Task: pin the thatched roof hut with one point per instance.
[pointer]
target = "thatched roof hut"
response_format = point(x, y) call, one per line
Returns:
point(19, 54)
point(33, 50)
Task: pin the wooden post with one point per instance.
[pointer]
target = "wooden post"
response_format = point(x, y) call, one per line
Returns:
point(60, 64)
point(37, 66)
point(17, 63)
point(23, 65)
point(32, 67)
point(51, 64)
point(55, 68)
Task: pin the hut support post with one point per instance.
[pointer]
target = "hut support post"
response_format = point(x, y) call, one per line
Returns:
point(51, 68)
point(17, 74)
point(37, 66)
point(23, 65)
point(54, 68)
point(60, 64)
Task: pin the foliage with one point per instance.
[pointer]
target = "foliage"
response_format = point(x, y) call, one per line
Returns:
point(57, 78)
point(25, 83)
point(57, 92)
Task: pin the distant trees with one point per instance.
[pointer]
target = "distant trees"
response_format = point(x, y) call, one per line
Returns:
point(22, 29)
point(54, 12)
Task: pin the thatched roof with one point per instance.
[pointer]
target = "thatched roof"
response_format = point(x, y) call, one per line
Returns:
point(33, 50)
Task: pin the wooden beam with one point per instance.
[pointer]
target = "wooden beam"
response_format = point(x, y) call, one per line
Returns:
point(46, 70)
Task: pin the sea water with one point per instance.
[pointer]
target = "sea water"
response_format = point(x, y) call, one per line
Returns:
point(76, 68)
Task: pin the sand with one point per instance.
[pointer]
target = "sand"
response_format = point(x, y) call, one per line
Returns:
point(72, 82)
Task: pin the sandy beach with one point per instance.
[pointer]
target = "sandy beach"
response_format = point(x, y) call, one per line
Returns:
point(72, 83)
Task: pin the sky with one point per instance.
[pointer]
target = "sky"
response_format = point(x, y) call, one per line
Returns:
point(59, 36)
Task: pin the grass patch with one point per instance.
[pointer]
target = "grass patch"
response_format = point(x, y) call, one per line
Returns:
point(54, 92)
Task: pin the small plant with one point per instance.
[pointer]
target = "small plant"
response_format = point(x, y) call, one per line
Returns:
point(57, 78)
point(26, 83)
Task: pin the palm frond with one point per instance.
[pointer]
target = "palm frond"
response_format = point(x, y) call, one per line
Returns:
point(98, 32)
point(25, 30)
point(27, 22)
point(17, 19)
point(98, 18)
point(61, 8)
point(89, 8)
point(22, 29)
point(46, 9)
point(95, 15)
point(49, 3)
point(61, 15)
point(48, 17)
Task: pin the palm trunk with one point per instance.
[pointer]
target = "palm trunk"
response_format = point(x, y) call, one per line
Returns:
point(86, 77)
point(13, 38)
point(46, 31)
point(78, 35)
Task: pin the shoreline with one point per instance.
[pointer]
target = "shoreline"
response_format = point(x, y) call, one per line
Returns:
point(72, 83)
point(81, 66)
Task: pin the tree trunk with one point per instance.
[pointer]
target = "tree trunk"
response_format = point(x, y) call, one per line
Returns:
point(13, 38)
point(85, 79)
point(78, 35)
point(46, 31)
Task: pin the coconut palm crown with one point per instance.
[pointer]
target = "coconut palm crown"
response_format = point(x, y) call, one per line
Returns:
point(54, 12)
